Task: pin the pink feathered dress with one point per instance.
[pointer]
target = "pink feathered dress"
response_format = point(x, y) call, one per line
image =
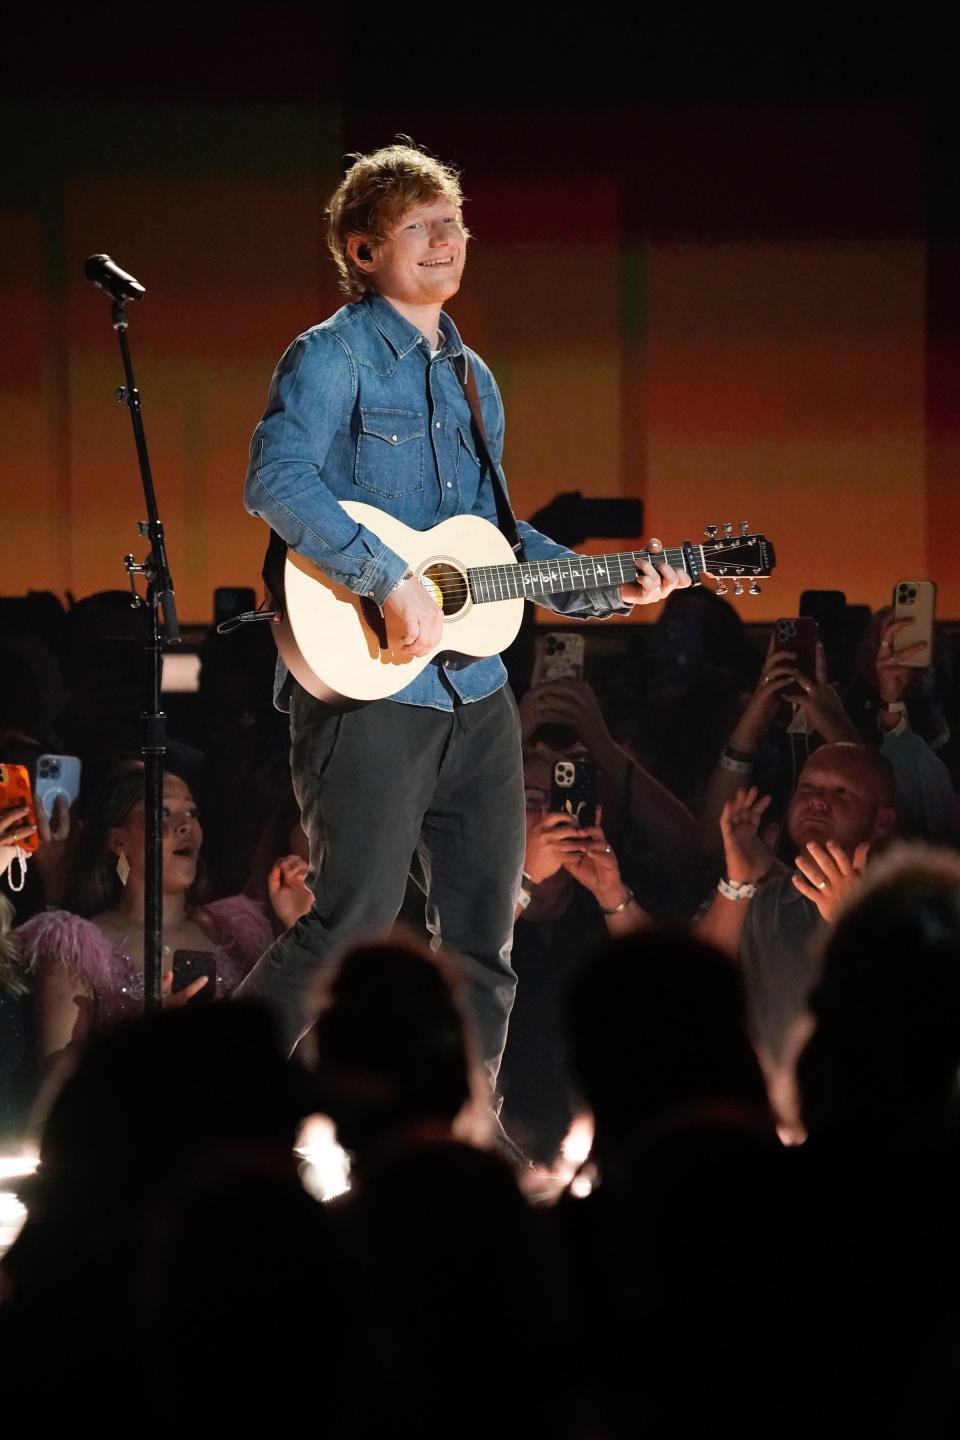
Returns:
point(57, 939)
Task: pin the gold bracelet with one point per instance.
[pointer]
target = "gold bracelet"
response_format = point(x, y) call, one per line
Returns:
point(619, 909)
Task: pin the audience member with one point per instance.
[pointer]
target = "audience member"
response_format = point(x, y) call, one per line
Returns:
point(88, 972)
point(765, 916)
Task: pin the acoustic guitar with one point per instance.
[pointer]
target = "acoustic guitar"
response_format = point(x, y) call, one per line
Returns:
point(335, 643)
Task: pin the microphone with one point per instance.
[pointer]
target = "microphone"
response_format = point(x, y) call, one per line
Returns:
point(108, 277)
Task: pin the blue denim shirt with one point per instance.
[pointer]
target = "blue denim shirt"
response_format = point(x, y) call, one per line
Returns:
point(359, 409)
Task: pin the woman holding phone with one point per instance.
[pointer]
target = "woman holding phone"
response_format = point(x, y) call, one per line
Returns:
point(87, 962)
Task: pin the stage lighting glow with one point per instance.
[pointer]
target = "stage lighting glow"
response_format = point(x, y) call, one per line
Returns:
point(325, 1169)
point(574, 1151)
point(12, 1211)
point(12, 1167)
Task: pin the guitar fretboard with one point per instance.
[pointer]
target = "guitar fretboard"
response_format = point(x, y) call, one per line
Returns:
point(558, 577)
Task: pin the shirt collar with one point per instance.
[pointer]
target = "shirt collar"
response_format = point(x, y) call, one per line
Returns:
point(402, 337)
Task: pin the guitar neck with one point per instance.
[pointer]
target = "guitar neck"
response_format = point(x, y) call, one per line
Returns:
point(534, 578)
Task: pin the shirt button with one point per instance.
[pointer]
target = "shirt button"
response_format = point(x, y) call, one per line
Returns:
point(436, 424)
point(394, 439)
point(449, 484)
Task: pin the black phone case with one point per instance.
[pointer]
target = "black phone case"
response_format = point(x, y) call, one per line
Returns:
point(189, 965)
point(578, 798)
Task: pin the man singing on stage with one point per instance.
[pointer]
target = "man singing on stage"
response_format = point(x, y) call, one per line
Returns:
point(371, 405)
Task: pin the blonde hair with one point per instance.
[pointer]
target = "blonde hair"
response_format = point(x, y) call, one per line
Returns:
point(375, 193)
point(13, 976)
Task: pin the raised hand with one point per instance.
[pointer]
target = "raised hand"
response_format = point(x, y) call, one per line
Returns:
point(828, 874)
point(749, 855)
point(823, 706)
point(287, 888)
point(892, 675)
point(566, 702)
point(15, 825)
point(552, 841)
point(776, 675)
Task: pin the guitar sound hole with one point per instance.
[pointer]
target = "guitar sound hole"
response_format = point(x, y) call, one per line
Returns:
point(448, 587)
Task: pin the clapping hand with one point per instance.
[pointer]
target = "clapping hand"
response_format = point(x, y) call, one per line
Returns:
point(828, 874)
point(749, 855)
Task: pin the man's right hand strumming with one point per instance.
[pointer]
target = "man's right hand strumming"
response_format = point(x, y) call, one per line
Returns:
point(414, 621)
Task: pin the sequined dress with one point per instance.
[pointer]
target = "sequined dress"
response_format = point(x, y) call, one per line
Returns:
point(57, 939)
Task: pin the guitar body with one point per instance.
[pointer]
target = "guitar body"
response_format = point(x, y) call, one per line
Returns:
point(334, 642)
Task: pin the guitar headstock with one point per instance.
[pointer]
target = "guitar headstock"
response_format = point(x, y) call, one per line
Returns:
point(737, 557)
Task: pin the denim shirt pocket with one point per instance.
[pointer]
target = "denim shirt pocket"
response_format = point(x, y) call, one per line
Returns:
point(390, 450)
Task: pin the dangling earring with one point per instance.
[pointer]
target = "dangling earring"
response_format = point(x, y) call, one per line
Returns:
point(123, 868)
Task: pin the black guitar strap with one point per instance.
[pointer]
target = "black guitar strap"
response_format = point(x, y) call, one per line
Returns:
point(272, 573)
point(506, 519)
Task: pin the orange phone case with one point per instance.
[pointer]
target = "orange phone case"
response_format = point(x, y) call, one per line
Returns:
point(14, 791)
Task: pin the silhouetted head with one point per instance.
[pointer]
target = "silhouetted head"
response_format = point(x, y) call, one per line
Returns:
point(657, 1024)
point(885, 1054)
point(392, 1049)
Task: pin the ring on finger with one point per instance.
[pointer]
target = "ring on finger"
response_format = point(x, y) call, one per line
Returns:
point(821, 884)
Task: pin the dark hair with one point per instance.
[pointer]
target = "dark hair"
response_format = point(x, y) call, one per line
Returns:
point(656, 1022)
point(392, 1043)
point(95, 885)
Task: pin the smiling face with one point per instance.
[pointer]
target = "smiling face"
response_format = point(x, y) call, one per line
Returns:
point(421, 262)
point(182, 838)
point(839, 798)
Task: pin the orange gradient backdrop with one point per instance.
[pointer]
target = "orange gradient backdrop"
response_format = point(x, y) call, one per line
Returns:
point(772, 370)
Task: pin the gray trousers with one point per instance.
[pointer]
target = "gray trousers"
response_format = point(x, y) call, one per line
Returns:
point(387, 790)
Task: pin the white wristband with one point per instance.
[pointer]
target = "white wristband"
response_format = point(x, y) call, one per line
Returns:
point(739, 767)
point(731, 891)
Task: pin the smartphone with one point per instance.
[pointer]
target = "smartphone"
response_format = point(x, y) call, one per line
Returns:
point(56, 775)
point(915, 600)
point(800, 634)
point(573, 791)
point(15, 791)
point(828, 608)
point(560, 656)
point(189, 965)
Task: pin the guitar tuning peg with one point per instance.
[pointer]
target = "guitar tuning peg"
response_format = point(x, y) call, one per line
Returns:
point(721, 587)
point(754, 588)
point(737, 586)
point(710, 531)
point(744, 527)
point(728, 527)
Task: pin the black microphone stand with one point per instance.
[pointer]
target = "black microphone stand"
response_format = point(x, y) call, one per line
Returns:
point(159, 597)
